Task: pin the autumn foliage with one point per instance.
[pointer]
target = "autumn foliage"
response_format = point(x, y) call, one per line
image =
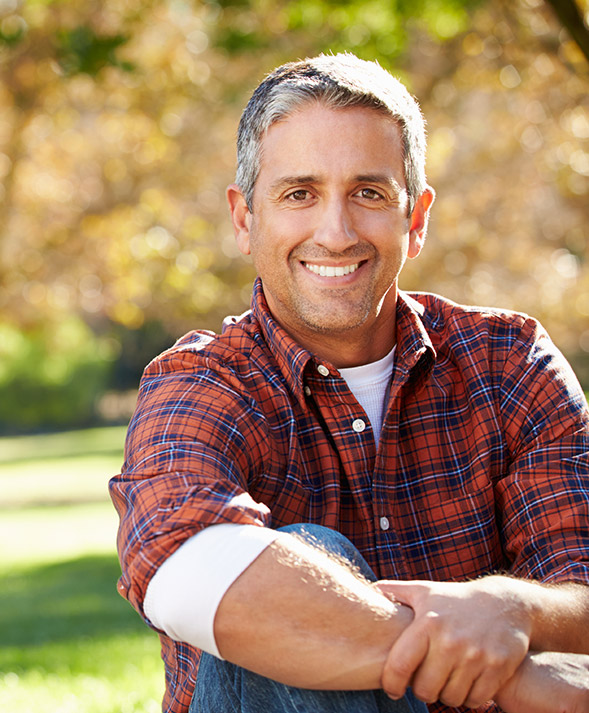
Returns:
point(117, 131)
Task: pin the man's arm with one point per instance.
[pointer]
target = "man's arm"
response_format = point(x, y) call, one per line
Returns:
point(299, 617)
point(467, 639)
point(560, 616)
point(547, 682)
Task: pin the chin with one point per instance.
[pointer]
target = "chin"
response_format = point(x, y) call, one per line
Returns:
point(332, 324)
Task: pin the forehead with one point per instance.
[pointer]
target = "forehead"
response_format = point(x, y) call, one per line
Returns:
point(316, 139)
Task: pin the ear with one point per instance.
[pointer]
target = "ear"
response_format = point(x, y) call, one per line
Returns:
point(240, 217)
point(418, 222)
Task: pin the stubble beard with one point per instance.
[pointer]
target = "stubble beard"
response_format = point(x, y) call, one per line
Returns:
point(329, 317)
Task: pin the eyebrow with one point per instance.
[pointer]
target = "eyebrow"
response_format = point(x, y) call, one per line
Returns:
point(379, 178)
point(382, 179)
point(287, 181)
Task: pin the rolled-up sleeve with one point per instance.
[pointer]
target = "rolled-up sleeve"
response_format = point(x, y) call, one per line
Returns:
point(543, 501)
point(193, 441)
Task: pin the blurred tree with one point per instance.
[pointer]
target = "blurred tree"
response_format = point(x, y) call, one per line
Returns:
point(117, 132)
point(509, 130)
point(569, 13)
point(100, 217)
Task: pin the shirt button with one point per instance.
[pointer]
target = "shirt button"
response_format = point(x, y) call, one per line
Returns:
point(384, 523)
point(323, 370)
point(307, 390)
point(358, 425)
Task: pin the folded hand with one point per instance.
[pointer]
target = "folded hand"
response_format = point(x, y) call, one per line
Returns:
point(466, 640)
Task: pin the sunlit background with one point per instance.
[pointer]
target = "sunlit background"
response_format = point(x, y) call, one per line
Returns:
point(117, 127)
point(117, 132)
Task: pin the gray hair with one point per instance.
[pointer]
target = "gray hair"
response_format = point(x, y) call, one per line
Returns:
point(338, 81)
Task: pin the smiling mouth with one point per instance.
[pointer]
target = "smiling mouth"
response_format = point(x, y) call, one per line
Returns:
point(331, 270)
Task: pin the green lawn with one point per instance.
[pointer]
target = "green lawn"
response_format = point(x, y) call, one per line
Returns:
point(69, 643)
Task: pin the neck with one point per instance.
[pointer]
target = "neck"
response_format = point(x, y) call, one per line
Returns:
point(346, 355)
point(353, 347)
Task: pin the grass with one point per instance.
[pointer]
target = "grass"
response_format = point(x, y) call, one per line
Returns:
point(69, 642)
point(62, 468)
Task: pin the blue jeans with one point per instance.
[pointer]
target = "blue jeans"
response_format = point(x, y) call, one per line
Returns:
point(222, 687)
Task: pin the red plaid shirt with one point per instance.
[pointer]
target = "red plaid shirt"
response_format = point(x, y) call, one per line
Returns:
point(482, 464)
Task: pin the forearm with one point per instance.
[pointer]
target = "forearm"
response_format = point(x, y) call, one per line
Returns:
point(301, 618)
point(546, 682)
point(555, 615)
point(467, 639)
point(560, 617)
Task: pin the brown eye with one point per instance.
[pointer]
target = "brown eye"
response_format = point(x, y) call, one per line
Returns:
point(370, 194)
point(299, 195)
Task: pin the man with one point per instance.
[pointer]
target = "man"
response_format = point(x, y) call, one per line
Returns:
point(448, 444)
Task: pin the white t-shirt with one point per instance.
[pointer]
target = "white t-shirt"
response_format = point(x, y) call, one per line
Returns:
point(184, 593)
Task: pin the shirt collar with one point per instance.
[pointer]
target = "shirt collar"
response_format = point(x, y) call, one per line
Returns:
point(292, 358)
point(413, 340)
point(414, 346)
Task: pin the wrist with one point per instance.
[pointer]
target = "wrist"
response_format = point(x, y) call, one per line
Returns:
point(521, 599)
point(550, 614)
point(560, 617)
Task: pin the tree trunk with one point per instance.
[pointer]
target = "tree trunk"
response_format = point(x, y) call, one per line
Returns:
point(571, 18)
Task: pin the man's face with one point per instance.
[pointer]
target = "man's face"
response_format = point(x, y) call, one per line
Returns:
point(330, 229)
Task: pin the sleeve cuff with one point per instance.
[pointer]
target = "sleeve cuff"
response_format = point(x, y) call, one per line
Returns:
point(183, 595)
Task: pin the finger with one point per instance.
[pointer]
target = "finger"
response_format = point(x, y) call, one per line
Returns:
point(492, 678)
point(407, 653)
point(475, 680)
point(460, 684)
point(404, 592)
point(433, 675)
point(383, 590)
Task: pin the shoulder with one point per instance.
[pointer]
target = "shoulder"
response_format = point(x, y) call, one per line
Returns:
point(509, 346)
point(235, 366)
point(446, 320)
point(239, 341)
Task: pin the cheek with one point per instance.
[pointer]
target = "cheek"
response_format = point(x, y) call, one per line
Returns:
point(384, 224)
point(268, 256)
point(389, 238)
point(294, 219)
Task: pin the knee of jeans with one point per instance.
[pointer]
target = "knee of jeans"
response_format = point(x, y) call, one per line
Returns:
point(317, 534)
point(332, 541)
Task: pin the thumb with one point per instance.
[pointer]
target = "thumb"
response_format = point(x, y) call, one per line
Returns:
point(404, 592)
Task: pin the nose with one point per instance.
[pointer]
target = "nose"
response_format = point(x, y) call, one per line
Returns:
point(335, 229)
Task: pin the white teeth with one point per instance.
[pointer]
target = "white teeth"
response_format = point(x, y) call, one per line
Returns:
point(331, 270)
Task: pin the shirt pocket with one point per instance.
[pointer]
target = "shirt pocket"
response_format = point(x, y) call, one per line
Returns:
point(456, 538)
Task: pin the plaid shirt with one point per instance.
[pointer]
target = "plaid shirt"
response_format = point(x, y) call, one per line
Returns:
point(482, 465)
